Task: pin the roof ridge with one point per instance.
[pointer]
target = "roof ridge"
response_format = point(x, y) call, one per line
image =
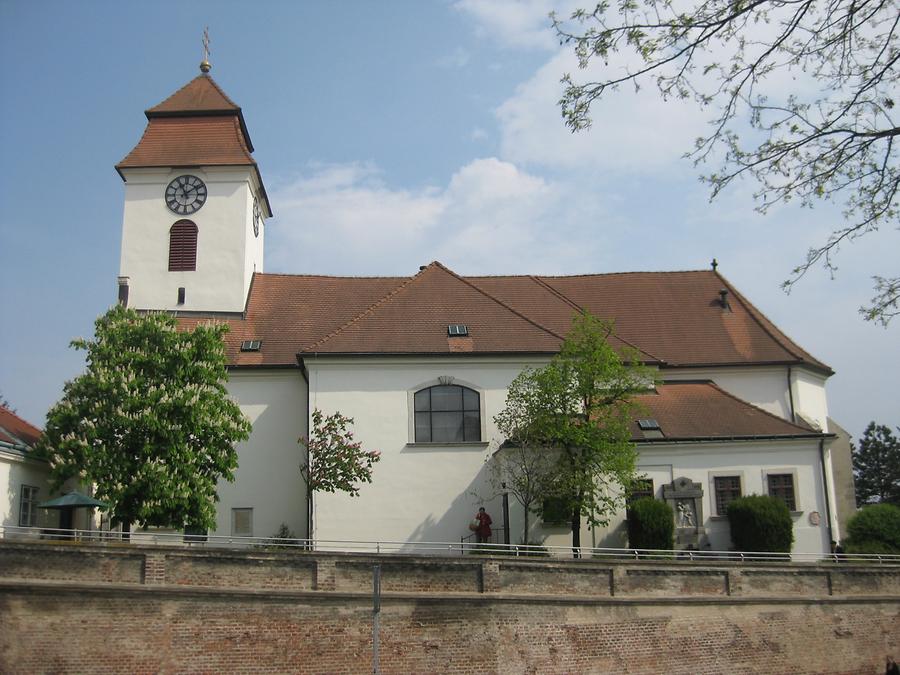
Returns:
point(219, 89)
point(769, 328)
point(498, 301)
point(371, 308)
point(434, 264)
point(728, 394)
point(574, 304)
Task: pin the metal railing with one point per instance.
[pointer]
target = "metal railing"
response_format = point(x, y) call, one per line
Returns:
point(387, 547)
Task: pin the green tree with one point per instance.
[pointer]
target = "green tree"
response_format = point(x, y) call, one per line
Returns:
point(334, 461)
point(876, 466)
point(149, 423)
point(578, 408)
point(829, 135)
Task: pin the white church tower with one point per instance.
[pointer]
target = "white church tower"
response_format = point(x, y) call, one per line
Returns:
point(195, 204)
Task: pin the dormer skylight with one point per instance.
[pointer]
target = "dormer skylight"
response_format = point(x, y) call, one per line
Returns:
point(251, 345)
point(648, 425)
point(457, 330)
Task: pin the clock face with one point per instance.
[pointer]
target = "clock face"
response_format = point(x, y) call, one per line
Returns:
point(257, 217)
point(185, 195)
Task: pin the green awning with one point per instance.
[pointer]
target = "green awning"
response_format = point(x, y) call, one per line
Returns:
point(70, 500)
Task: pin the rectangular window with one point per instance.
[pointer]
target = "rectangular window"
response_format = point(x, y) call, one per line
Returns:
point(781, 485)
point(643, 487)
point(28, 506)
point(242, 522)
point(728, 488)
point(556, 512)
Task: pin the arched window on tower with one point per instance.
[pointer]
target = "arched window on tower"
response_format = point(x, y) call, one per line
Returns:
point(183, 247)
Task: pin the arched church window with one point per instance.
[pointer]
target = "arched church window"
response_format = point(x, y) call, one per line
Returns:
point(183, 247)
point(447, 414)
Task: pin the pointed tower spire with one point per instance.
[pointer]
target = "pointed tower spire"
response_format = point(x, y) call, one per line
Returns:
point(205, 65)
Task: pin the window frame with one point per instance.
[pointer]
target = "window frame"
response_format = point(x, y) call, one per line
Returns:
point(767, 473)
point(446, 381)
point(32, 504)
point(234, 512)
point(713, 497)
point(725, 495)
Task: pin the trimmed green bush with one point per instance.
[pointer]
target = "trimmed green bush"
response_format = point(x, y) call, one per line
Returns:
point(761, 523)
point(651, 524)
point(874, 529)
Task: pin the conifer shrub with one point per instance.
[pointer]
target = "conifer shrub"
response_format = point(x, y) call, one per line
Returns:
point(874, 529)
point(761, 523)
point(651, 524)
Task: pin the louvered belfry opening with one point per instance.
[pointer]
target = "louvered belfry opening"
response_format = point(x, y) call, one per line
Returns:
point(183, 247)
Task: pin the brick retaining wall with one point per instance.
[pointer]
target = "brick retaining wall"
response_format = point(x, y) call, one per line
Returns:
point(81, 609)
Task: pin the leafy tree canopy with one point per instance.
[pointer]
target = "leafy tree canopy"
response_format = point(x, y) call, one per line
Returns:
point(149, 422)
point(816, 81)
point(578, 409)
point(336, 463)
point(876, 466)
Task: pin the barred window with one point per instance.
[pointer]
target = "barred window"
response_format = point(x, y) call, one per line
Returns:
point(447, 414)
point(728, 488)
point(781, 485)
point(28, 502)
point(183, 246)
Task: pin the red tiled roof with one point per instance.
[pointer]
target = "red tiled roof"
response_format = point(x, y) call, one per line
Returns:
point(15, 430)
point(701, 410)
point(190, 141)
point(674, 318)
point(200, 95)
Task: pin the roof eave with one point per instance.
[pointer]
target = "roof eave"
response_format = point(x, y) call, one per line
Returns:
point(732, 439)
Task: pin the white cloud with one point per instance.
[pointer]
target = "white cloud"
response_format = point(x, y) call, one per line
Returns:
point(491, 217)
point(513, 23)
point(631, 131)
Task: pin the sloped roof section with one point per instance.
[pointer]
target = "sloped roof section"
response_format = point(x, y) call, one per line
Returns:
point(202, 95)
point(16, 431)
point(413, 319)
point(190, 141)
point(701, 410)
point(288, 312)
point(675, 319)
point(679, 318)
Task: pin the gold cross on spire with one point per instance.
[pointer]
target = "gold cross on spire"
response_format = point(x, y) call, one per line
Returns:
point(204, 64)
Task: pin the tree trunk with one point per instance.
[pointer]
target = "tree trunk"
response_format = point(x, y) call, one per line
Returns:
point(576, 531)
point(126, 531)
point(525, 535)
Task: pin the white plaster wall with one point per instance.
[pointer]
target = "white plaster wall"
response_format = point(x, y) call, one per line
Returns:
point(810, 399)
point(226, 256)
point(268, 476)
point(764, 387)
point(16, 471)
point(749, 460)
point(419, 492)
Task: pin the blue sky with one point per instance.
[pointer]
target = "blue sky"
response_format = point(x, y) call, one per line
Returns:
point(389, 135)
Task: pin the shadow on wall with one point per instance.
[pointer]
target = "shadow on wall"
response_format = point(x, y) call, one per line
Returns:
point(454, 523)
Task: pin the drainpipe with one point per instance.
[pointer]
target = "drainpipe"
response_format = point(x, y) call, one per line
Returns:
point(825, 488)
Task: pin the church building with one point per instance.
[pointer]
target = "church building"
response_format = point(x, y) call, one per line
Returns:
point(422, 363)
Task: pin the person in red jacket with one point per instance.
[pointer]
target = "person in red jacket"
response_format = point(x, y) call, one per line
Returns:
point(483, 532)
